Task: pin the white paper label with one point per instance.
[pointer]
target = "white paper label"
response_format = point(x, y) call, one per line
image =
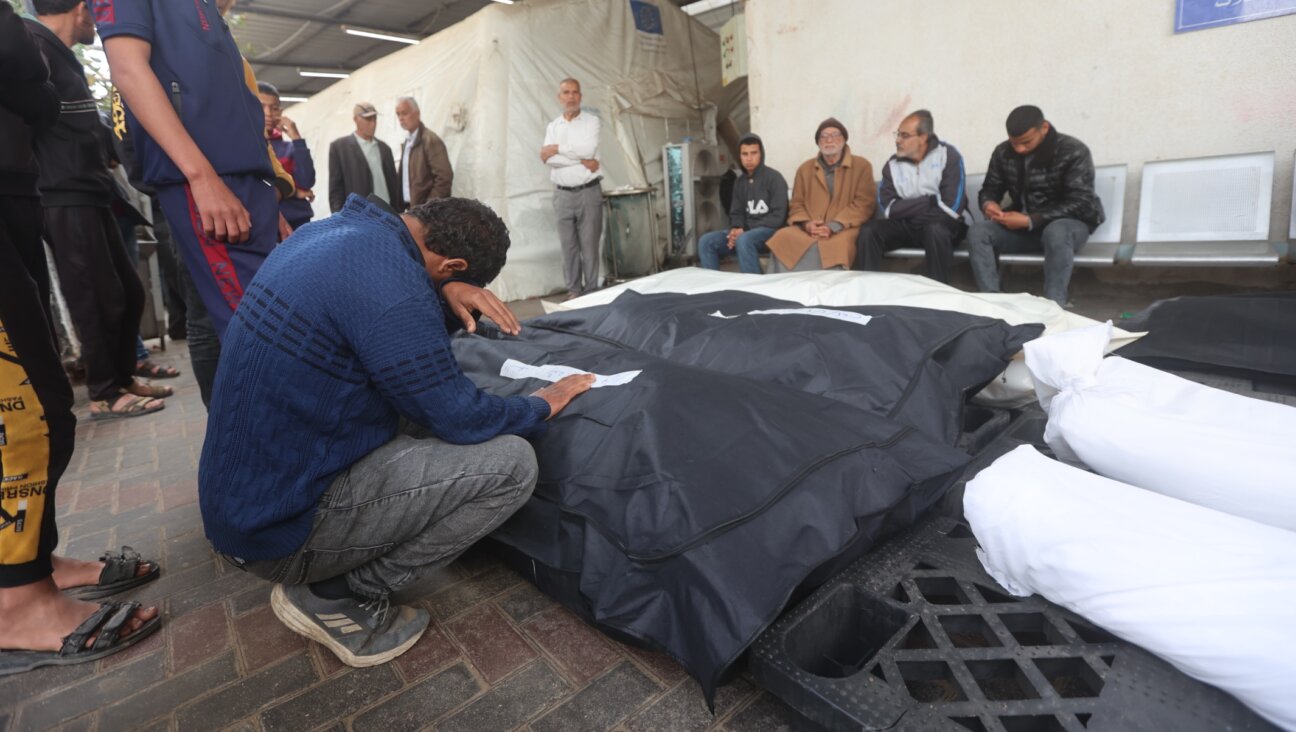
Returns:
point(513, 369)
point(843, 315)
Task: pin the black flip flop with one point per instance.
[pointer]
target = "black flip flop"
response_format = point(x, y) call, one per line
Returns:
point(118, 575)
point(108, 620)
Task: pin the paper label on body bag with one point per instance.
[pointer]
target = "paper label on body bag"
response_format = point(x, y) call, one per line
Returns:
point(513, 369)
point(843, 315)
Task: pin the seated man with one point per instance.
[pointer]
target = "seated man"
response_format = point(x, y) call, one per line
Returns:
point(758, 206)
point(923, 197)
point(308, 478)
point(1050, 177)
point(832, 194)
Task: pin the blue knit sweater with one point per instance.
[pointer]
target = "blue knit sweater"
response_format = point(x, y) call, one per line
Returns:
point(340, 333)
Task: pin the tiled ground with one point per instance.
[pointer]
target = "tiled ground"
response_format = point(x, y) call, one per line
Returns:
point(498, 656)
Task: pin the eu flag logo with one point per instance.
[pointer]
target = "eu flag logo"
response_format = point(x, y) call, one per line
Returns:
point(647, 17)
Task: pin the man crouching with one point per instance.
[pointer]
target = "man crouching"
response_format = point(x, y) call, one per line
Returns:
point(346, 451)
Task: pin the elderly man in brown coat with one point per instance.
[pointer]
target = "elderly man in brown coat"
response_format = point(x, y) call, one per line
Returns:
point(832, 195)
point(425, 171)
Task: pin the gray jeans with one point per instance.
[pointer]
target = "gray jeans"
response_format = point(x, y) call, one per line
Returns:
point(411, 505)
point(580, 224)
point(1059, 241)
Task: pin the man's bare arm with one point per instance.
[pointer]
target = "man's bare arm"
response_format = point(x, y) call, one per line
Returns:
point(223, 215)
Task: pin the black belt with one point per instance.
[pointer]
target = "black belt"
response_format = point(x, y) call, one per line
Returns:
point(580, 188)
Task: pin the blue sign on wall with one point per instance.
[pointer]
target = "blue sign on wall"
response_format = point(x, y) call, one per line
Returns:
point(1191, 15)
point(647, 17)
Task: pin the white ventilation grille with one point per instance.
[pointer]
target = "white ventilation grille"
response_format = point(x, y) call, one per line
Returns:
point(1207, 199)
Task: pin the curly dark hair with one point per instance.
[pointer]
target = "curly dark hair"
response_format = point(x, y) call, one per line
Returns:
point(466, 229)
point(54, 7)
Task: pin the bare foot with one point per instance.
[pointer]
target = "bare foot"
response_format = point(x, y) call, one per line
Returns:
point(69, 573)
point(38, 617)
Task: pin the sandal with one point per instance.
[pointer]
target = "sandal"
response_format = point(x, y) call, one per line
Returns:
point(120, 573)
point(145, 389)
point(108, 620)
point(152, 370)
point(135, 407)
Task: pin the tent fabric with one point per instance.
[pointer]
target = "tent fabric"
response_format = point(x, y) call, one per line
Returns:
point(488, 86)
point(1251, 335)
point(1209, 592)
point(1166, 434)
point(914, 365)
point(687, 505)
point(1012, 388)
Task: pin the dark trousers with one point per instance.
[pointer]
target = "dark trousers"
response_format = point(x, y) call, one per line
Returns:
point(221, 271)
point(104, 295)
point(172, 290)
point(880, 236)
point(36, 423)
point(216, 273)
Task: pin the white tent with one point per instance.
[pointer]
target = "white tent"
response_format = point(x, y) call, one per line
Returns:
point(488, 86)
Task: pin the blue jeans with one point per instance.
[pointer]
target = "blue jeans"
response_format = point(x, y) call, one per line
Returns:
point(714, 246)
point(1059, 241)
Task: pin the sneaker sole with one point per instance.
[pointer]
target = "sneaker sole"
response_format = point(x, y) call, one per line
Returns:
point(300, 623)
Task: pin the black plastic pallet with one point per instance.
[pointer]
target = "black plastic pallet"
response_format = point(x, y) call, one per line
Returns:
point(916, 636)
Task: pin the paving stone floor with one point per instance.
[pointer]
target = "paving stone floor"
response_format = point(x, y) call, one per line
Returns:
point(498, 656)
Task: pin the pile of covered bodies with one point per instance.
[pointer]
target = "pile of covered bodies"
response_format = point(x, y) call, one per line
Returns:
point(740, 447)
point(1182, 539)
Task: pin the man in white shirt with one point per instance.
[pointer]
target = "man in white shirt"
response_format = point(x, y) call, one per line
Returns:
point(362, 164)
point(571, 152)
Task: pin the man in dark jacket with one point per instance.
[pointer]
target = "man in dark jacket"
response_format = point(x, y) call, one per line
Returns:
point(104, 294)
point(425, 170)
point(362, 164)
point(1050, 177)
point(759, 207)
point(42, 625)
point(922, 196)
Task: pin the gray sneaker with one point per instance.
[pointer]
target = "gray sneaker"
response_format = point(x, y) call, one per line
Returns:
point(359, 634)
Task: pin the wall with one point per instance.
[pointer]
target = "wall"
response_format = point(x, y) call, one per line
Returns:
point(1110, 72)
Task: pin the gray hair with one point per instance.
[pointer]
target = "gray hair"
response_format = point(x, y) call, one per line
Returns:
point(926, 126)
point(412, 101)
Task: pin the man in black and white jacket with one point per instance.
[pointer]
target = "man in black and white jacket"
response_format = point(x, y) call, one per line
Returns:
point(923, 198)
point(759, 207)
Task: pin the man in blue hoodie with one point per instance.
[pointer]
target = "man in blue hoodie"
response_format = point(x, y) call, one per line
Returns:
point(922, 195)
point(758, 209)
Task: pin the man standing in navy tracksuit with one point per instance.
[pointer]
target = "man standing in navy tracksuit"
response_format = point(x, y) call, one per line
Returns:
point(198, 133)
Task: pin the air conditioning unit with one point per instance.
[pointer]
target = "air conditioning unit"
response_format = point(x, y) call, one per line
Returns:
point(693, 171)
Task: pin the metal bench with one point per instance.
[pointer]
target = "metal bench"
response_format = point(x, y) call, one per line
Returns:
point(1103, 244)
point(1207, 212)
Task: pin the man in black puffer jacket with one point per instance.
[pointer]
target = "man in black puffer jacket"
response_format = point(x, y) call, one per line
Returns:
point(1050, 177)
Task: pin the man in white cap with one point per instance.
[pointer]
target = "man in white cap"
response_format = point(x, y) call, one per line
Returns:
point(362, 164)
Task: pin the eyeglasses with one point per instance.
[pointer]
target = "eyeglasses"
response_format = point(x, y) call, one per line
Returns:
point(902, 136)
point(828, 136)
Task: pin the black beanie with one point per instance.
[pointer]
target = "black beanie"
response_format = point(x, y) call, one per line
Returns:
point(831, 122)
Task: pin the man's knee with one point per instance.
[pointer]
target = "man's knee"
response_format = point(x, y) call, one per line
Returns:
point(1064, 235)
point(981, 235)
point(941, 233)
point(519, 460)
point(869, 232)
